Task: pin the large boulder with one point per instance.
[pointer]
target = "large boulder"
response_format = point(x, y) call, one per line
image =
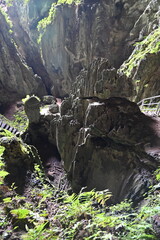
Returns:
point(32, 109)
point(19, 159)
point(102, 143)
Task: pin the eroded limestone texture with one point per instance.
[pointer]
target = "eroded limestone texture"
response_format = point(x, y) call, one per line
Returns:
point(102, 144)
point(81, 33)
point(102, 80)
point(16, 78)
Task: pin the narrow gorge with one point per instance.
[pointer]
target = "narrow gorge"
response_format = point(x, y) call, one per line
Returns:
point(80, 113)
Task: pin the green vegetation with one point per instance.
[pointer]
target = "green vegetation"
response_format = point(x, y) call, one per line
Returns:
point(20, 122)
point(20, 213)
point(26, 1)
point(5, 133)
point(42, 24)
point(9, 2)
point(46, 212)
point(9, 22)
point(150, 45)
point(48, 20)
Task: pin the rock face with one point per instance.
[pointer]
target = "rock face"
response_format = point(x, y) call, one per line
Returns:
point(25, 18)
point(19, 160)
point(147, 72)
point(146, 67)
point(102, 80)
point(16, 78)
point(80, 33)
point(102, 144)
point(156, 225)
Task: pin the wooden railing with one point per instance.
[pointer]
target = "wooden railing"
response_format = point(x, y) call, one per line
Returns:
point(150, 105)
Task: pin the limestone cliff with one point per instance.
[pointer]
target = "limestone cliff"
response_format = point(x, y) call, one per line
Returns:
point(78, 34)
point(16, 78)
point(25, 40)
point(143, 66)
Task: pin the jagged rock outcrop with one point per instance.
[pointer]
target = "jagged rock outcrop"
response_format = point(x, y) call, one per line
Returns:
point(16, 78)
point(102, 144)
point(80, 33)
point(102, 80)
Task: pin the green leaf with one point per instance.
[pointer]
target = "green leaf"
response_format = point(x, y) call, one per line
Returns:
point(158, 177)
point(147, 236)
point(7, 200)
point(3, 173)
point(20, 213)
point(1, 150)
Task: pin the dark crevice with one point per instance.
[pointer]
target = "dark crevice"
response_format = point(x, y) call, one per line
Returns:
point(4, 108)
point(47, 150)
point(49, 155)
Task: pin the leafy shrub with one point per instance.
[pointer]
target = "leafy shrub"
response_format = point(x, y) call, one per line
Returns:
point(20, 213)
